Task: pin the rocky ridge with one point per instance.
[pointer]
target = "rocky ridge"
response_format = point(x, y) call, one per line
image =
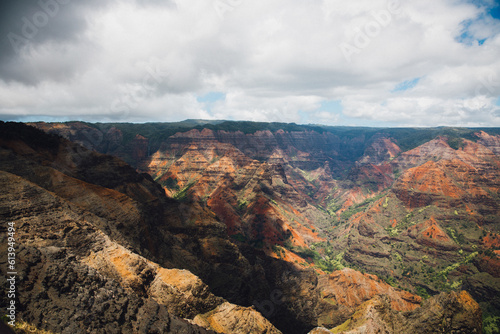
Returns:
point(453, 313)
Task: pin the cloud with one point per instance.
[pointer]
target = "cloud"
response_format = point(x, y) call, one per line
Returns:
point(383, 62)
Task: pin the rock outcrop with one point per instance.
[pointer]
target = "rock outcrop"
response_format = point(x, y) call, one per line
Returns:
point(56, 289)
point(453, 313)
point(228, 318)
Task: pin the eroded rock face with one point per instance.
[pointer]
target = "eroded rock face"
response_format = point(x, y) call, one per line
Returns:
point(432, 219)
point(444, 183)
point(140, 148)
point(180, 291)
point(433, 150)
point(381, 150)
point(350, 288)
point(254, 199)
point(57, 290)
point(455, 312)
point(264, 186)
point(446, 313)
point(347, 289)
point(484, 288)
point(228, 318)
point(489, 141)
point(261, 145)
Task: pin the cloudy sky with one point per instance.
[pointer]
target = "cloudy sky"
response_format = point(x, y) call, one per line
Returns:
point(336, 62)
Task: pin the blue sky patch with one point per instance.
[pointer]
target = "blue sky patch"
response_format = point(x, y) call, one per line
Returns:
point(211, 97)
point(334, 106)
point(467, 37)
point(405, 85)
point(491, 9)
point(495, 12)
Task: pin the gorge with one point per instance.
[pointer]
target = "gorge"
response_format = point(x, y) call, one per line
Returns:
point(244, 227)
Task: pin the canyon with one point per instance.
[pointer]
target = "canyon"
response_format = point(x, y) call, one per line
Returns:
point(243, 227)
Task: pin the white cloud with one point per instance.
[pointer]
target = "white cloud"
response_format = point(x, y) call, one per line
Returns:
point(274, 61)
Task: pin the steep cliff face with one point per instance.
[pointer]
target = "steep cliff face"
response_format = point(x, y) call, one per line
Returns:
point(306, 150)
point(381, 150)
point(467, 178)
point(140, 148)
point(345, 290)
point(254, 199)
point(273, 188)
point(490, 141)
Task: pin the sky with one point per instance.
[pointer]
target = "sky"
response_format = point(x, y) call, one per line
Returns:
point(335, 62)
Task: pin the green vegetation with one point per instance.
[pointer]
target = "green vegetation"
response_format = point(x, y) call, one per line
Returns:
point(182, 195)
point(444, 273)
point(356, 208)
point(331, 260)
point(405, 138)
point(248, 127)
point(422, 292)
point(352, 211)
point(392, 231)
point(491, 324)
point(321, 254)
point(488, 252)
point(391, 281)
point(401, 226)
point(455, 285)
point(333, 208)
point(456, 142)
point(278, 250)
point(459, 238)
point(156, 133)
point(171, 184)
point(342, 328)
point(307, 253)
point(448, 269)
point(240, 237)
point(242, 205)
point(410, 138)
point(397, 256)
point(330, 264)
